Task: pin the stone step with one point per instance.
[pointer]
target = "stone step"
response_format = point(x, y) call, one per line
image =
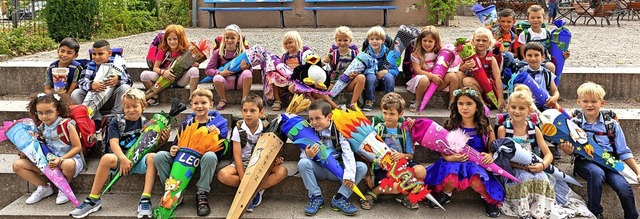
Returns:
point(619, 82)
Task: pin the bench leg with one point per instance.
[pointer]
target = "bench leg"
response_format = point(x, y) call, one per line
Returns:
point(210, 20)
point(214, 20)
point(385, 18)
point(315, 18)
point(281, 18)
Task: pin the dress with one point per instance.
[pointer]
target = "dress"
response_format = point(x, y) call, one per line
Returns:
point(462, 172)
point(427, 65)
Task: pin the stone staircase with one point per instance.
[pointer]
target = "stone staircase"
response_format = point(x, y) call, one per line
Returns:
point(287, 199)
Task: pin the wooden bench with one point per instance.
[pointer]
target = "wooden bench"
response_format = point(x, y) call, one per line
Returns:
point(241, 5)
point(330, 5)
point(604, 11)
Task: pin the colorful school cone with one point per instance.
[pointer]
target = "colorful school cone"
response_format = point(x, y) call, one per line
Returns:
point(468, 52)
point(540, 95)
point(96, 99)
point(59, 76)
point(193, 143)
point(363, 63)
point(431, 135)
point(560, 39)
point(488, 17)
point(3, 129)
point(508, 148)
point(217, 120)
point(405, 36)
point(23, 134)
point(445, 59)
point(149, 138)
point(365, 141)
point(179, 67)
point(153, 49)
point(558, 128)
point(252, 56)
point(300, 132)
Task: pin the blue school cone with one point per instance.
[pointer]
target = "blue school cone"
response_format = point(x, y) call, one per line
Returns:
point(560, 39)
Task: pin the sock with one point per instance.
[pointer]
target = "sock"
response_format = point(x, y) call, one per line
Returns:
point(340, 196)
point(94, 197)
point(145, 196)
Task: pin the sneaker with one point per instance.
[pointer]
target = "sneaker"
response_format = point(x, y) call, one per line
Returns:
point(343, 206)
point(202, 205)
point(61, 199)
point(368, 106)
point(491, 210)
point(315, 203)
point(144, 208)
point(40, 193)
point(443, 198)
point(250, 207)
point(87, 207)
point(258, 199)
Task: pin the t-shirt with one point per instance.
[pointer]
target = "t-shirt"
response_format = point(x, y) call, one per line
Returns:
point(429, 61)
point(160, 56)
point(128, 136)
point(533, 36)
point(252, 138)
point(393, 142)
point(341, 64)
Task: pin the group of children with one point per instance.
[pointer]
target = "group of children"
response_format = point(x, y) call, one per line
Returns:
point(533, 198)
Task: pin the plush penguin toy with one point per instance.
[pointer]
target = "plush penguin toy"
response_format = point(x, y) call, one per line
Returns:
point(310, 77)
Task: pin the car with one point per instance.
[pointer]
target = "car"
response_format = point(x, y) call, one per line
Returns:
point(26, 12)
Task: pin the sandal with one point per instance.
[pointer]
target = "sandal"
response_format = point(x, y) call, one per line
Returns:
point(404, 200)
point(276, 105)
point(221, 105)
point(367, 204)
point(414, 107)
point(153, 101)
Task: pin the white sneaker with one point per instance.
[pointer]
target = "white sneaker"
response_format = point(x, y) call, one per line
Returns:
point(40, 193)
point(61, 199)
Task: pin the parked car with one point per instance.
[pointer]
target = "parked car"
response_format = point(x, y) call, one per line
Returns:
point(26, 12)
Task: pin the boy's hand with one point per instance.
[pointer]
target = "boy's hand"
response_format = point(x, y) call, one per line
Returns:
point(395, 156)
point(311, 151)
point(566, 54)
point(536, 168)
point(174, 150)
point(381, 74)
point(125, 165)
point(111, 81)
point(98, 86)
point(487, 158)
point(164, 135)
point(168, 74)
point(368, 178)
point(567, 147)
point(551, 102)
point(212, 128)
point(348, 183)
point(278, 161)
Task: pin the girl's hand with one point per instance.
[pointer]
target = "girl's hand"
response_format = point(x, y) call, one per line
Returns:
point(469, 64)
point(168, 74)
point(195, 64)
point(500, 104)
point(566, 54)
point(536, 168)
point(353, 75)
point(54, 162)
point(174, 150)
point(567, 147)
point(279, 160)
point(434, 78)
point(487, 158)
point(125, 165)
point(225, 73)
point(244, 65)
point(22, 155)
point(551, 102)
point(456, 158)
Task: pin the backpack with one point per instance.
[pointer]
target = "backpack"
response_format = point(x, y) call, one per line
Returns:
point(243, 133)
point(378, 124)
point(85, 127)
point(531, 134)
point(501, 118)
point(335, 55)
point(546, 43)
point(609, 118)
point(523, 25)
point(407, 67)
point(104, 129)
point(153, 49)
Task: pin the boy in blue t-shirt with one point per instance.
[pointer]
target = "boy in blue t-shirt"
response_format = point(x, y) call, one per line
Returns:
point(534, 54)
point(389, 127)
point(387, 71)
point(67, 52)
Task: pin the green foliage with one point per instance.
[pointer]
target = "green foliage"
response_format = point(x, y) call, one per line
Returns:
point(125, 17)
point(174, 12)
point(65, 19)
point(441, 11)
point(20, 41)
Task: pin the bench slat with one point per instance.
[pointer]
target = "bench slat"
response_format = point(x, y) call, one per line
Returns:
point(355, 8)
point(248, 9)
point(329, 1)
point(245, 1)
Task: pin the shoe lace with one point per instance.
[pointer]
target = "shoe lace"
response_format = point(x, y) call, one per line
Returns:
point(343, 203)
point(145, 204)
point(85, 203)
point(202, 199)
point(315, 202)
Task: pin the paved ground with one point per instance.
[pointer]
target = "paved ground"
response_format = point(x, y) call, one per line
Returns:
point(591, 46)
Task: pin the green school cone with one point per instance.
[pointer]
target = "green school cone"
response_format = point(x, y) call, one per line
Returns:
point(182, 170)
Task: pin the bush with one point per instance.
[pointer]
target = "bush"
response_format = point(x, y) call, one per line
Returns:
point(20, 41)
point(125, 17)
point(441, 11)
point(66, 19)
point(174, 12)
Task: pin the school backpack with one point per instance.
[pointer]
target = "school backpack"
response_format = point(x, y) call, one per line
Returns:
point(501, 118)
point(335, 55)
point(407, 67)
point(609, 118)
point(85, 127)
point(153, 49)
point(238, 121)
point(104, 129)
point(531, 135)
point(523, 25)
point(378, 123)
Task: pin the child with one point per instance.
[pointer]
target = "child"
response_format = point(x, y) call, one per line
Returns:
point(534, 54)
point(292, 57)
point(201, 103)
point(455, 171)
point(428, 44)
point(174, 43)
point(399, 140)
point(534, 197)
point(339, 59)
point(591, 99)
point(102, 54)
point(311, 171)
point(51, 110)
point(134, 103)
point(387, 72)
point(535, 16)
point(506, 18)
point(252, 125)
point(67, 52)
point(483, 41)
point(230, 47)
point(553, 10)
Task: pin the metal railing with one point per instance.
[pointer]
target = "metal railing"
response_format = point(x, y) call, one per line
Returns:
point(22, 13)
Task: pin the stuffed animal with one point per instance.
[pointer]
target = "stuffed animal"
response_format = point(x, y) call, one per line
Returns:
point(311, 74)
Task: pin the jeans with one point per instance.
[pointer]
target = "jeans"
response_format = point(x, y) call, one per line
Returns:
point(312, 171)
point(596, 176)
point(163, 162)
point(388, 83)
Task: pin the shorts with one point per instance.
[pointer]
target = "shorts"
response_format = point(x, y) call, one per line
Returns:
point(244, 164)
point(139, 168)
point(79, 166)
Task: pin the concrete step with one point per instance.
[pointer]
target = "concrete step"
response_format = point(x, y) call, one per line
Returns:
point(619, 82)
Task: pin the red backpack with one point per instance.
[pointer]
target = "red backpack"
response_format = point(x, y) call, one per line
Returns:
point(84, 125)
